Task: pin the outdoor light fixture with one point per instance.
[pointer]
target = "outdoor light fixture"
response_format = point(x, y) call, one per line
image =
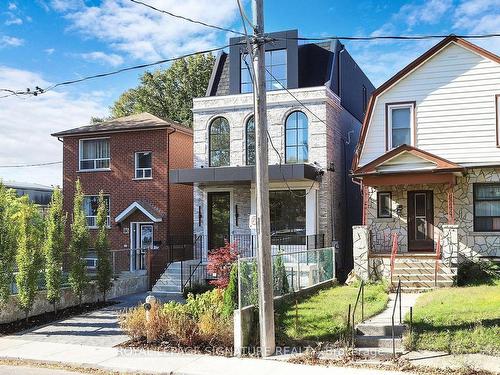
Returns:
point(200, 216)
point(236, 214)
point(399, 209)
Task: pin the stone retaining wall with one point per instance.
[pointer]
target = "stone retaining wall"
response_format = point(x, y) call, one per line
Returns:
point(10, 312)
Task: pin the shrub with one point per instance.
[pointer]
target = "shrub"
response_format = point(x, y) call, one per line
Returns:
point(196, 289)
point(199, 323)
point(477, 272)
point(220, 262)
point(231, 293)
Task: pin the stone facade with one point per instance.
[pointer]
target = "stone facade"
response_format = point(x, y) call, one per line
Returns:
point(471, 244)
point(329, 126)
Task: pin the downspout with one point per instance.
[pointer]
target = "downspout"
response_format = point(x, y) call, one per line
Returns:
point(168, 182)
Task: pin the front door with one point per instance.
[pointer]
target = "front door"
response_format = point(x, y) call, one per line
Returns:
point(141, 239)
point(420, 221)
point(219, 209)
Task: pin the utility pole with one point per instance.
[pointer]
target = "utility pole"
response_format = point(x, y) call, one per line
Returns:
point(264, 256)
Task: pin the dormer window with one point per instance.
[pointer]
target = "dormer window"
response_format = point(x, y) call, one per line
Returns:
point(275, 64)
point(400, 124)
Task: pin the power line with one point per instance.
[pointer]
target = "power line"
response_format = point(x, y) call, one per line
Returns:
point(31, 165)
point(220, 28)
point(390, 37)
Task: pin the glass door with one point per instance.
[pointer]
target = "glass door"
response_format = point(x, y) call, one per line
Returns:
point(141, 239)
point(420, 221)
point(219, 211)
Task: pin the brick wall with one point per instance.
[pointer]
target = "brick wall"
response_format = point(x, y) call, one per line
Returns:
point(123, 189)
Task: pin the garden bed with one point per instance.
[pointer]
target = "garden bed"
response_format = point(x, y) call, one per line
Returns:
point(458, 320)
point(322, 316)
point(49, 317)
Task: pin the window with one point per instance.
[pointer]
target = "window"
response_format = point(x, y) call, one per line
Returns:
point(288, 212)
point(250, 141)
point(486, 207)
point(219, 143)
point(296, 149)
point(94, 154)
point(384, 203)
point(275, 64)
point(90, 206)
point(497, 111)
point(400, 124)
point(365, 99)
point(143, 163)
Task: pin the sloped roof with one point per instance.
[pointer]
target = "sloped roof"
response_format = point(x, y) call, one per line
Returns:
point(144, 207)
point(407, 70)
point(141, 121)
point(428, 162)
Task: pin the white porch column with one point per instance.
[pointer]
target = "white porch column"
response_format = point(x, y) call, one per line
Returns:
point(450, 245)
point(360, 248)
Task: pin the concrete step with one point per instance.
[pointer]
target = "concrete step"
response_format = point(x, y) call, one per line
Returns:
point(378, 342)
point(423, 283)
point(166, 289)
point(420, 270)
point(421, 277)
point(369, 329)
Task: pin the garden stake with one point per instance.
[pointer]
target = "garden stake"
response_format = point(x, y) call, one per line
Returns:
point(296, 316)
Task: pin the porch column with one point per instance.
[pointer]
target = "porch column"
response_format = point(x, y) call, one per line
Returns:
point(360, 248)
point(450, 245)
point(451, 204)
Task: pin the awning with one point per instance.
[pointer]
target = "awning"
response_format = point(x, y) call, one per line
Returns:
point(243, 174)
point(143, 207)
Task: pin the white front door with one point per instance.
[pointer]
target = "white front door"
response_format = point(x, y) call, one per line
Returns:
point(141, 239)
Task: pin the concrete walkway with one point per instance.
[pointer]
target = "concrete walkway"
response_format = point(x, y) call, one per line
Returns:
point(385, 317)
point(95, 328)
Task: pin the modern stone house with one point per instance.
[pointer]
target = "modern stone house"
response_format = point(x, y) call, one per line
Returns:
point(316, 99)
point(129, 159)
point(428, 159)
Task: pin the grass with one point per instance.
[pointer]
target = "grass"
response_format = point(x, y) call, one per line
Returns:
point(323, 315)
point(458, 320)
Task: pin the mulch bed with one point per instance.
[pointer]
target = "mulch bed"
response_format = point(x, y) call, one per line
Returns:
point(49, 317)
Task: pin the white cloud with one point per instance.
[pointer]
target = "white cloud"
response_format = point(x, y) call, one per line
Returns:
point(14, 21)
point(12, 6)
point(27, 122)
point(103, 58)
point(49, 51)
point(148, 35)
point(10, 41)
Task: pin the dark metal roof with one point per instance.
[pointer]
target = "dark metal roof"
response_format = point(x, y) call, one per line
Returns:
point(141, 121)
point(243, 174)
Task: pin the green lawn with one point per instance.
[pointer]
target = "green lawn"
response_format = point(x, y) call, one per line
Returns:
point(323, 315)
point(458, 320)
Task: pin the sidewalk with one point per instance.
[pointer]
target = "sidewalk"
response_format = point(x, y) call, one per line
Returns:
point(124, 360)
point(385, 317)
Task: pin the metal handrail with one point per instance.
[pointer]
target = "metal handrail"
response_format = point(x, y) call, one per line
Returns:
point(191, 274)
point(438, 257)
point(394, 251)
point(398, 296)
point(361, 292)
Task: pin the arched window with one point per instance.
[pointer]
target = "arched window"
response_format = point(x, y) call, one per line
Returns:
point(250, 141)
point(296, 150)
point(219, 143)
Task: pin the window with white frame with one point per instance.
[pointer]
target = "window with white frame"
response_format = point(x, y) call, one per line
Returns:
point(143, 165)
point(94, 154)
point(90, 207)
point(400, 124)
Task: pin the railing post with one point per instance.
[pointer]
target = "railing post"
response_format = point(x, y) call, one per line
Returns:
point(114, 263)
point(411, 320)
point(348, 323)
point(400, 306)
point(362, 301)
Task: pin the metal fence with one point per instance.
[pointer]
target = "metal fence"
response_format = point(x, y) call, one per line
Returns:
point(292, 271)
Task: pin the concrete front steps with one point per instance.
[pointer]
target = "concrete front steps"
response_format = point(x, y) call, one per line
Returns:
point(170, 280)
point(417, 274)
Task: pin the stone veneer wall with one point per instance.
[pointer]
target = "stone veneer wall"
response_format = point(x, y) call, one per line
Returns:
point(471, 244)
point(325, 147)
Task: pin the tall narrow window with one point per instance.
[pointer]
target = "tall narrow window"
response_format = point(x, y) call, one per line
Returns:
point(219, 143)
point(143, 165)
point(94, 154)
point(276, 72)
point(296, 138)
point(384, 202)
point(400, 124)
point(250, 141)
point(365, 99)
point(497, 111)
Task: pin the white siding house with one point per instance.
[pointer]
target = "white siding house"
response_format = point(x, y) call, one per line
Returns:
point(429, 162)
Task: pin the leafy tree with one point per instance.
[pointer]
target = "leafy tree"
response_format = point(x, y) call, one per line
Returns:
point(281, 286)
point(29, 257)
point(168, 93)
point(8, 240)
point(54, 248)
point(104, 270)
point(78, 246)
point(220, 262)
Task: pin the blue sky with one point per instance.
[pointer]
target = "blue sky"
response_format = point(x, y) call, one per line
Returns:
point(47, 41)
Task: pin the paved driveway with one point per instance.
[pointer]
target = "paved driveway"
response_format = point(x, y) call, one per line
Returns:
point(95, 328)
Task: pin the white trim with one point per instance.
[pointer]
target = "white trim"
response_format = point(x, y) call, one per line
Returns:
point(136, 206)
point(390, 107)
point(142, 169)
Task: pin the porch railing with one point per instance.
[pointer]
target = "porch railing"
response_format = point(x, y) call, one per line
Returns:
point(394, 251)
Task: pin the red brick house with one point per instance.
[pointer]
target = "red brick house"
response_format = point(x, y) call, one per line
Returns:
point(129, 159)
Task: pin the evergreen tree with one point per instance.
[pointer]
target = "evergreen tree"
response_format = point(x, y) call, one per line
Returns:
point(104, 270)
point(79, 244)
point(231, 292)
point(29, 257)
point(8, 241)
point(281, 286)
point(54, 248)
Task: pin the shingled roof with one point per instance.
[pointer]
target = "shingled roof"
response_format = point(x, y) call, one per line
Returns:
point(141, 121)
